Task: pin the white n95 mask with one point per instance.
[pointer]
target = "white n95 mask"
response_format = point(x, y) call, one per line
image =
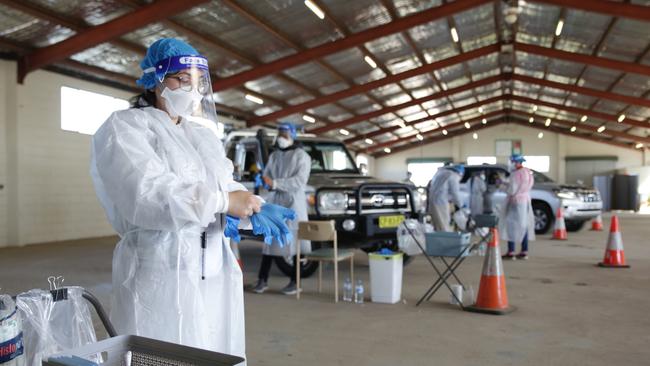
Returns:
point(180, 102)
point(284, 142)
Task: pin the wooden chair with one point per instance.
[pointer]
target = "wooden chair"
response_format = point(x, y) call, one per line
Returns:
point(323, 231)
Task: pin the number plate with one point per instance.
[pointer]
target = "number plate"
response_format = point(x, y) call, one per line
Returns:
point(386, 222)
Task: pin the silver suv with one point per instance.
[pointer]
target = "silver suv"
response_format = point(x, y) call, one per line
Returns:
point(366, 210)
point(579, 203)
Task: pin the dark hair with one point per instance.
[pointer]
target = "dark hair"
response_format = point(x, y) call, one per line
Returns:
point(144, 99)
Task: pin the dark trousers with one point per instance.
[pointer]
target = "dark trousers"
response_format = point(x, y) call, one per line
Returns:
point(265, 268)
point(524, 245)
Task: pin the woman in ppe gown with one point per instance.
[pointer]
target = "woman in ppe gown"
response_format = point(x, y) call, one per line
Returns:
point(163, 178)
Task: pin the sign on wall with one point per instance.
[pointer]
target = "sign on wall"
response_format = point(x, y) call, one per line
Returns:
point(508, 147)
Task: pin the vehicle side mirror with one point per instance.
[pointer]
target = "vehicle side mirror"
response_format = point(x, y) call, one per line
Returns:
point(239, 161)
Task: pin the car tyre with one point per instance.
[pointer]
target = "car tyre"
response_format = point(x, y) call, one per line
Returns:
point(543, 217)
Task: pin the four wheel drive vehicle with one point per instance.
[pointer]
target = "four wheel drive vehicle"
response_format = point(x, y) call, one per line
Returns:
point(367, 211)
point(579, 203)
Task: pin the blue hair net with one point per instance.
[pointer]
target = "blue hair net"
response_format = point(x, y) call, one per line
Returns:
point(160, 50)
point(516, 158)
point(288, 126)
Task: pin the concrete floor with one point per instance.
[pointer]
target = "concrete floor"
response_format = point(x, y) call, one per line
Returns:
point(569, 311)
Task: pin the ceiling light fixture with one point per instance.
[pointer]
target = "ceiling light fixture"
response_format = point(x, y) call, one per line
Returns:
point(621, 118)
point(601, 129)
point(344, 132)
point(254, 99)
point(467, 125)
point(369, 141)
point(573, 129)
point(583, 118)
point(639, 145)
point(484, 121)
point(531, 120)
point(444, 132)
point(370, 62)
point(475, 136)
point(480, 109)
point(309, 119)
point(454, 34)
point(420, 137)
point(534, 107)
point(314, 8)
point(558, 29)
point(548, 122)
point(540, 135)
point(387, 150)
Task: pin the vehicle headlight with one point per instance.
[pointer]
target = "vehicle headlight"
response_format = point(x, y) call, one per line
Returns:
point(568, 195)
point(332, 202)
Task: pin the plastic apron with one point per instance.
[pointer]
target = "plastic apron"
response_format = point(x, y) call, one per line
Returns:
point(289, 169)
point(162, 186)
point(517, 217)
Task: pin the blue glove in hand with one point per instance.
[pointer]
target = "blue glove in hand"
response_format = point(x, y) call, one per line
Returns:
point(232, 228)
point(270, 222)
point(259, 182)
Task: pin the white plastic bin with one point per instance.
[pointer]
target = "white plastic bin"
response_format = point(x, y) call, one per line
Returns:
point(386, 277)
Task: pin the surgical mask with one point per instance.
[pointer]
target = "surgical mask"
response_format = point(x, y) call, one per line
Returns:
point(180, 102)
point(284, 142)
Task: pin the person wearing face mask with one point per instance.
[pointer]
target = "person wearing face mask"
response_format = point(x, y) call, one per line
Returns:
point(477, 189)
point(286, 173)
point(517, 218)
point(162, 176)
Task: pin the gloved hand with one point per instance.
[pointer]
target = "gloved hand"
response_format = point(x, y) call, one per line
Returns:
point(270, 222)
point(232, 228)
point(259, 182)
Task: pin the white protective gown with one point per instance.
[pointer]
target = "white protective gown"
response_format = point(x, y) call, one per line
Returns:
point(517, 217)
point(443, 188)
point(477, 191)
point(289, 169)
point(162, 185)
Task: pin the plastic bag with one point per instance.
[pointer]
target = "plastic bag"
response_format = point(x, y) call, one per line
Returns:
point(53, 326)
point(461, 218)
point(407, 233)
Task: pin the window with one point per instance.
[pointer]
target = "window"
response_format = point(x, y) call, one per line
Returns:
point(541, 163)
point(329, 157)
point(422, 172)
point(479, 160)
point(83, 111)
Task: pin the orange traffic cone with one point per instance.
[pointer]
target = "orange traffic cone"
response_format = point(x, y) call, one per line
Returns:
point(234, 246)
point(597, 223)
point(614, 254)
point(559, 231)
point(492, 295)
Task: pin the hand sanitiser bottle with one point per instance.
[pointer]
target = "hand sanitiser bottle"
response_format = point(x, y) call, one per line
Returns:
point(11, 334)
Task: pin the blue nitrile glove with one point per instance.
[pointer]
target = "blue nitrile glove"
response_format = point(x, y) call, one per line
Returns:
point(232, 228)
point(262, 226)
point(386, 251)
point(270, 222)
point(259, 182)
point(279, 215)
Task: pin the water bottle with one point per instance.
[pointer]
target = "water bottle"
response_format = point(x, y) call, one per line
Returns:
point(358, 292)
point(347, 290)
point(482, 249)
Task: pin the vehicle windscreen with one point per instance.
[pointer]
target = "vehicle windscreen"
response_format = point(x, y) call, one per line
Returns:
point(329, 157)
point(541, 178)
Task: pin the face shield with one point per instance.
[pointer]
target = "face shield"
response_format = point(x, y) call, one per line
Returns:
point(185, 87)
